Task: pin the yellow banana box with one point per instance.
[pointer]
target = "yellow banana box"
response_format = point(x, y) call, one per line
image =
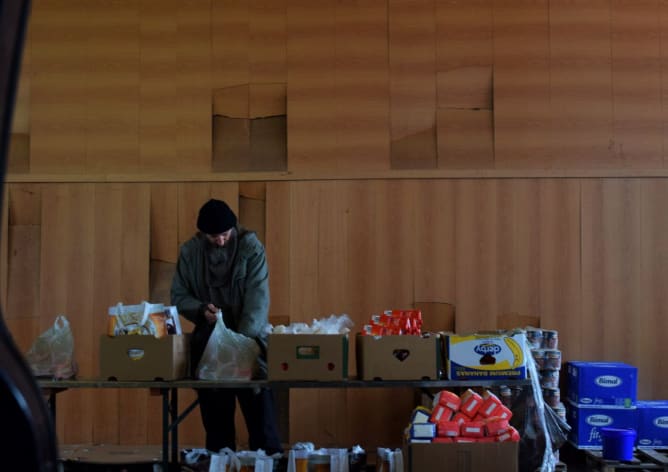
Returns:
point(486, 356)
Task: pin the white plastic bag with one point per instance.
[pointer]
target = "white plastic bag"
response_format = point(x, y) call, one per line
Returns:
point(52, 353)
point(390, 460)
point(228, 355)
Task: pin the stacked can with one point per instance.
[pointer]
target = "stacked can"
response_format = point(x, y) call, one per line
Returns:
point(544, 345)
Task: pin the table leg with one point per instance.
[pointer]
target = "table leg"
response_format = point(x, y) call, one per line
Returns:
point(52, 406)
point(174, 412)
point(165, 429)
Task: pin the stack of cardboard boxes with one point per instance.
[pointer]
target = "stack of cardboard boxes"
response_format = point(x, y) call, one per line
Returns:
point(600, 394)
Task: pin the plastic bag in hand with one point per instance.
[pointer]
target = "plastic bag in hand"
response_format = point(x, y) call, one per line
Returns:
point(52, 353)
point(228, 355)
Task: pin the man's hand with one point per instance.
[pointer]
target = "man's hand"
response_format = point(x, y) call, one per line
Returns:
point(210, 313)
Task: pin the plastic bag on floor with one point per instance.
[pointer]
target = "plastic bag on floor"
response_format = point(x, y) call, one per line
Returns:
point(389, 460)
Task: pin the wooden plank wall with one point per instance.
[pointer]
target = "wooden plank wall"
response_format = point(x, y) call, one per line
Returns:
point(373, 87)
point(488, 246)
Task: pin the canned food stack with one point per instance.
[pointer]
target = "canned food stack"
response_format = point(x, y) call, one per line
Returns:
point(544, 349)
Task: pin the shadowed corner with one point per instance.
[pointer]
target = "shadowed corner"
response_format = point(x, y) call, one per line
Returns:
point(29, 441)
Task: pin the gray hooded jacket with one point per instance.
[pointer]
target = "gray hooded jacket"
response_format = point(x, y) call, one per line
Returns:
point(248, 308)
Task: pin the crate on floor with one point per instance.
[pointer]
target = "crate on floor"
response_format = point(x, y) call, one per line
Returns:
point(643, 459)
point(109, 458)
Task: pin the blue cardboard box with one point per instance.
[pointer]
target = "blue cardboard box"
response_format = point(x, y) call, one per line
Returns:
point(586, 423)
point(602, 383)
point(652, 423)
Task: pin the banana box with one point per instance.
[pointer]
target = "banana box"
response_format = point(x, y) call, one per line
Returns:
point(486, 356)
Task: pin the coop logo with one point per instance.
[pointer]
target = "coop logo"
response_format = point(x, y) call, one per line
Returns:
point(487, 349)
point(608, 381)
point(661, 422)
point(599, 420)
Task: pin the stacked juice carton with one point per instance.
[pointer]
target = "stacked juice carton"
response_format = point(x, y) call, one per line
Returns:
point(600, 394)
point(469, 417)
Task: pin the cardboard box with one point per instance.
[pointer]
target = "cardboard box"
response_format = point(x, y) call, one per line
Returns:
point(308, 357)
point(144, 357)
point(485, 356)
point(462, 457)
point(586, 423)
point(602, 383)
point(398, 357)
point(436, 316)
point(652, 424)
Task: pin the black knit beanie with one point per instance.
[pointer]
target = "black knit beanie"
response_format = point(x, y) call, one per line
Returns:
point(215, 217)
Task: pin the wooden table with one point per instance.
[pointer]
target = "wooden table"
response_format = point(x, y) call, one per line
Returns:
point(171, 418)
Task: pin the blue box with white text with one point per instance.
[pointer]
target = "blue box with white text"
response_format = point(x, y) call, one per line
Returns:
point(602, 383)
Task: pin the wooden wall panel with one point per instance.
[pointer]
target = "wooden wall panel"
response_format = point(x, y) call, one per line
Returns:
point(476, 227)
point(560, 262)
point(611, 249)
point(230, 43)
point(164, 224)
point(126, 87)
point(464, 64)
point(112, 105)
point(522, 83)
point(362, 105)
point(157, 126)
point(581, 83)
point(18, 155)
point(465, 138)
point(267, 58)
point(435, 241)
point(517, 241)
point(59, 86)
point(311, 44)
point(19, 265)
point(636, 83)
point(412, 53)
point(650, 322)
point(663, 46)
point(194, 85)
point(22, 243)
point(464, 34)
point(278, 245)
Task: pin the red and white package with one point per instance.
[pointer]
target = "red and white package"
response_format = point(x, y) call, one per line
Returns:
point(496, 426)
point(441, 413)
point(471, 403)
point(511, 436)
point(473, 429)
point(490, 403)
point(448, 429)
point(449, 399)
